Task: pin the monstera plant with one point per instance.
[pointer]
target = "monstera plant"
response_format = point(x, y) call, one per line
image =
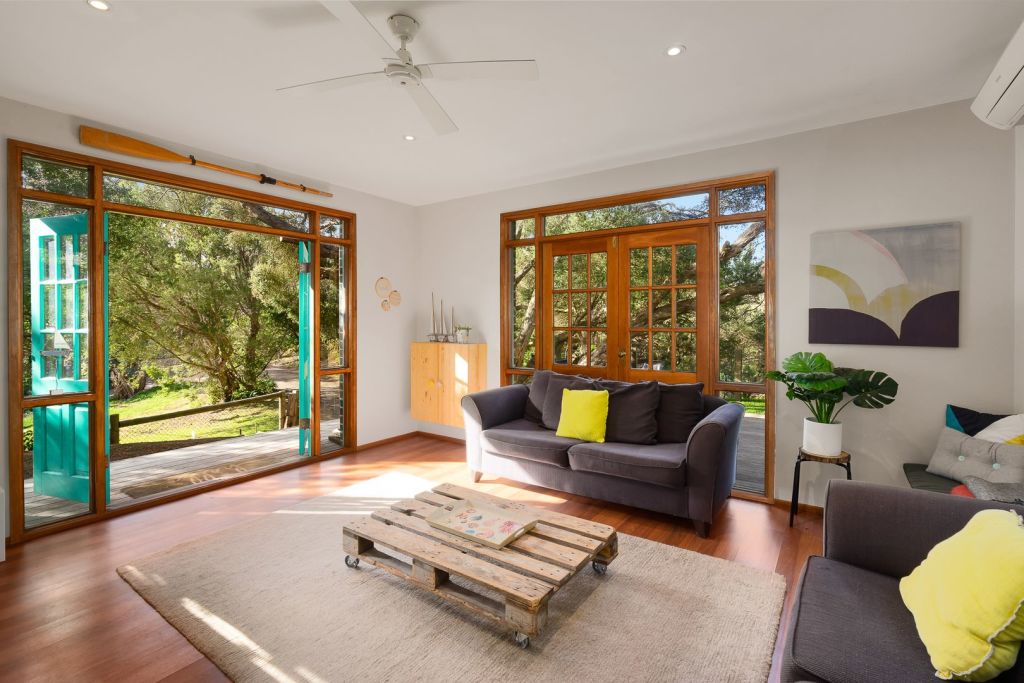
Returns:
point(826, 391)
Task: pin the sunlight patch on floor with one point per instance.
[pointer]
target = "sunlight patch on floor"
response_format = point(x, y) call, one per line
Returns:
point(233, 635)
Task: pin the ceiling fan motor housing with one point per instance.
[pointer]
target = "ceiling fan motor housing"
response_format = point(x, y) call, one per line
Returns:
point(403, 74)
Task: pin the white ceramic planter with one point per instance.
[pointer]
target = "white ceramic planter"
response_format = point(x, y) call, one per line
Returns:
point(823, 438)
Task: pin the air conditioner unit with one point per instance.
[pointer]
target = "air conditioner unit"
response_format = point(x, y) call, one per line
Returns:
point(1001, 100)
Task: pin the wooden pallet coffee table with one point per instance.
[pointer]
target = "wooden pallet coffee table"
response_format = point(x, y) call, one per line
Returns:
point(523, 575)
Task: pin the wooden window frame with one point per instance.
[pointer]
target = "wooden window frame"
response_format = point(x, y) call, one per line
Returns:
point(97, 207)
point(709, 224)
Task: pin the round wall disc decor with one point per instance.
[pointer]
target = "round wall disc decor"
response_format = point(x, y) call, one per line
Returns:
point(382, 287)
point(395, 298)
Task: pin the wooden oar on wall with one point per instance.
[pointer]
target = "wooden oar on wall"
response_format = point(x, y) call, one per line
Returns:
point(122, 144)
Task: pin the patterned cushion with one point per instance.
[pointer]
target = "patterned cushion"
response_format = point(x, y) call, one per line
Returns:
point(1010, 429)
point(958, 456)
point(968, 421)
point(1004, 493)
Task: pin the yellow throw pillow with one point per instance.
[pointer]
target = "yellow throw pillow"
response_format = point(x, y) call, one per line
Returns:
point(967, 598)
point(584, 415)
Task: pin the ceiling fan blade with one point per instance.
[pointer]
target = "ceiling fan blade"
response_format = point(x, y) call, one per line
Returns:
point(503, 69)
point(333, 83)
point(347, 13)
point(431, 109)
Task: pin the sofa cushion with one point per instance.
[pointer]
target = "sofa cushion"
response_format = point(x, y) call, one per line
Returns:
point(632, 411)
point(534, 410)
point(957, 456)
point(850, 625)
point(529, 441)
point(553, 396)
point(663, 464)
point(680, 408)
point(919, 477)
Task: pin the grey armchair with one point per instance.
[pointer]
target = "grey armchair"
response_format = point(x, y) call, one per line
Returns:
point(848, 621)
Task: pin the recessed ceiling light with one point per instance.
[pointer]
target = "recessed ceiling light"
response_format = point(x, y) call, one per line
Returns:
point(675, 50)
point(101, 5)
point(409, 138)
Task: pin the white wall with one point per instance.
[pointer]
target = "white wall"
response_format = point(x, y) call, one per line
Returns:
point(383, 227)
point(929, 165)
point(1018, 260)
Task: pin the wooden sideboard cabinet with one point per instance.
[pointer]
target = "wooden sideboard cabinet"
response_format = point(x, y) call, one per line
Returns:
point(441, 375)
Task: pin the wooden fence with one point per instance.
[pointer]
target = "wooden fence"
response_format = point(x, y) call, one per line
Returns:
point(288, 412)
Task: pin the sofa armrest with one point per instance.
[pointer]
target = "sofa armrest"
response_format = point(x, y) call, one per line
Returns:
point(889, 529)
point(486, 409)
point(711, 461)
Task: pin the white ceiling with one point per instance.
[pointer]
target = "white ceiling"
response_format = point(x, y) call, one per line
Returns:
point(204, 73)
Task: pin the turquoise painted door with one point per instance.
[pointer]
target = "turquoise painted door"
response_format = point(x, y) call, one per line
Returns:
point(305, 349)
point(59, 281)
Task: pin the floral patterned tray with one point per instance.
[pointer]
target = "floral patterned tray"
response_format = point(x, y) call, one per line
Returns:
point(486, 524)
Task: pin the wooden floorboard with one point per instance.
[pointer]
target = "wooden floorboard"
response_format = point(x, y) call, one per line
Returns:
point(66, 615)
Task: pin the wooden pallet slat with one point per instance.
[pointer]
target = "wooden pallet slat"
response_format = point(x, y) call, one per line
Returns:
point(530, 566)
point(522, 589)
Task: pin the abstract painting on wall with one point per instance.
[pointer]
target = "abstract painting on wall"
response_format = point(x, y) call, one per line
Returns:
point(886, 286)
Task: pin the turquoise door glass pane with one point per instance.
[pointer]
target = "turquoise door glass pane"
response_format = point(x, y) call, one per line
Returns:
point(59, 293)
point(305, 348)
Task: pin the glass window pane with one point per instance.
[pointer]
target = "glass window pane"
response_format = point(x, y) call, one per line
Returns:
point(560, 272)
point(332, 412)
point(638, 267)
point(599, 270)
point(661, 266)
point(520, 379)
point(686, 352)
point(333, 306)
point(638, 308)
point(580, 343)
point(661, 308)
point(598, 309)
point(741, 200)
point(169, 198)
point(560, 352)
point(524, 302)
point(686, 307)
point(652, 212)
point(598, 349)
point(522, 229)
point(686, 264)
point(332, 226)
point(54, 298)
point(579, 309)
point(55, 453)
point(638, 350)
point(751, 444)
point(661, 351)
point(560, 310)
point(579, 271)
point(53, 176)
point(741, 304)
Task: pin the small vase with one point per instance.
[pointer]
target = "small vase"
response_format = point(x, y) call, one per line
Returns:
point(821, 438)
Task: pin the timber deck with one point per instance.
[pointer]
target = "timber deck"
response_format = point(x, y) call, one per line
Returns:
point(271, 448)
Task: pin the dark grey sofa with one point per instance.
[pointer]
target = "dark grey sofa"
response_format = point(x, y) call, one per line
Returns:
point(690, 480)
point(848, 622)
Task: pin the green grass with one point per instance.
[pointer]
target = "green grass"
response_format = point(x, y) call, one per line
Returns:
point(243, 420)
point(753, 403)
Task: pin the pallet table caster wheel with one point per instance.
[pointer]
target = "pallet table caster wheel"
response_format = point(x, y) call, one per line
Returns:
point(522, 640)
point(352, 562)
point(599, 568)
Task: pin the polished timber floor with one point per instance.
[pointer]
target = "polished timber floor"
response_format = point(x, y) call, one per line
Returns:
point(66, 616)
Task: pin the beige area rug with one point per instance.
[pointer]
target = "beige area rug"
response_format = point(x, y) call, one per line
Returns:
point(272, 600)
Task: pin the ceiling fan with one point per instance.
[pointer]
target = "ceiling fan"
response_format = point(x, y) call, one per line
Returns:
point(401, 71)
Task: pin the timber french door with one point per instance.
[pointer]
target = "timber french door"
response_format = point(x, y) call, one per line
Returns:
point(632, 307)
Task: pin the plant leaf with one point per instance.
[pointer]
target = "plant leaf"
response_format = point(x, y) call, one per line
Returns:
point(805, 361)
point(869, 388)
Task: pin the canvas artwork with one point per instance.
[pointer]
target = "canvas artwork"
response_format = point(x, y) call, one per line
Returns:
point(886, 286)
